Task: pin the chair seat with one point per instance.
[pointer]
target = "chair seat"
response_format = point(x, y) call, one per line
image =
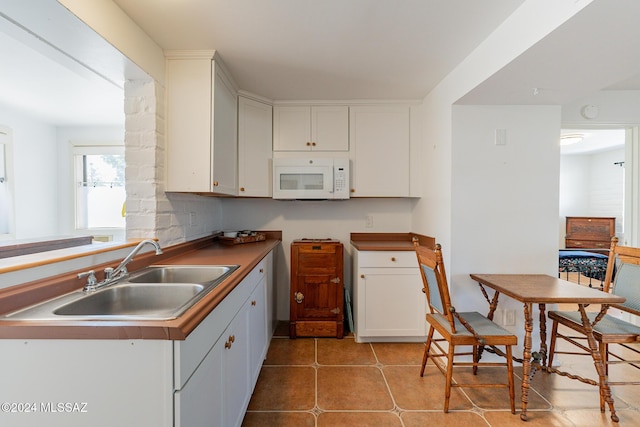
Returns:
point(609, 329)
point(492, 333)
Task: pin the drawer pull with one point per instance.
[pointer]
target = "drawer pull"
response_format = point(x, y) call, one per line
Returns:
point(393, 259)
point(335, 280)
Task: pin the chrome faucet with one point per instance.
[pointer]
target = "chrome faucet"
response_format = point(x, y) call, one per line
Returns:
point(121, 269)
point(114, 274)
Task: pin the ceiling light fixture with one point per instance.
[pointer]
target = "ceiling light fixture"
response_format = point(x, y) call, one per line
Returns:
point(571, 138)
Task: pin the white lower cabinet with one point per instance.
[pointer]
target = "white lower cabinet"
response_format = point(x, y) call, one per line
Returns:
point(205, 380)
point(388, 302)
point(218, 391)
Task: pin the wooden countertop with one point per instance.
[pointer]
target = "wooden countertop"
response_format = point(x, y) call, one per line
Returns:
point(246, 255)
point(388, 241)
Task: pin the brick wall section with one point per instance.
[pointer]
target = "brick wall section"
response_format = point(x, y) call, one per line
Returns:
point(172, 218)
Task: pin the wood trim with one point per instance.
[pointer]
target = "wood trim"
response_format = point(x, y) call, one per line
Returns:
point(24, 247)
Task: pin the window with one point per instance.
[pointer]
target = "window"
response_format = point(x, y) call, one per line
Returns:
point(99, 190)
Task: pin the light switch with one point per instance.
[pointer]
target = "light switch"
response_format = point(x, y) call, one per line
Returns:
point(501, 137)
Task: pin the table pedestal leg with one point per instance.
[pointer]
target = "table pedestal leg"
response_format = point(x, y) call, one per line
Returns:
point(543, 334)
point(605, 391)
point(526, 356)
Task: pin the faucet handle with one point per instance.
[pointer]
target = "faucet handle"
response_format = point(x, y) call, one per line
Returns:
point(91, 281)
point(108, 273)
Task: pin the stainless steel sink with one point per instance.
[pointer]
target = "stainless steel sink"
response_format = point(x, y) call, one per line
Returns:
point(180, 274)
point(159, 292)
point(148, 301)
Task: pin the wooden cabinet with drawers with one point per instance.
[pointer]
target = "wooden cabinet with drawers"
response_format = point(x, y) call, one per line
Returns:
point(317, 289)
point(589, 232)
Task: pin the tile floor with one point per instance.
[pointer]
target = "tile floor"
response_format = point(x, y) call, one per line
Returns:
point(320, 382)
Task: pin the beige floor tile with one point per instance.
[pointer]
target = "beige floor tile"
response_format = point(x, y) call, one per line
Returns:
point(358, 419)
point(279, 419)
point(534, 419)
point(399, 354)
point(284, 388)
point(440, 419)
point(284, 351)
point(343, 388)
point(496, 398)
point(595, 418)
point(379, 384)
point(412, 392)
point(346, 351)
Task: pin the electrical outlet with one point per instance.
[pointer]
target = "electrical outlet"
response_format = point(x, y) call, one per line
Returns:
point(509, 318)
point(369, 222)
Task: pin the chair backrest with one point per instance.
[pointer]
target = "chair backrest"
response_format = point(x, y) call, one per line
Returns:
point(434, 279)
point(623, 276)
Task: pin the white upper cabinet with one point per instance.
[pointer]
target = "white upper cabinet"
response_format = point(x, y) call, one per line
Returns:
point(255, 135)
point(380, 151)
point(311, 128)
point(201, 124)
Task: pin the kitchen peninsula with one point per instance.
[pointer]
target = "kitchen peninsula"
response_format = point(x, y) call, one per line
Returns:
point(202, 365)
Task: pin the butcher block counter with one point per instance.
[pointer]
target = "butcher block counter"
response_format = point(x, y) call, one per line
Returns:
point(388, 241)
point(206, 251)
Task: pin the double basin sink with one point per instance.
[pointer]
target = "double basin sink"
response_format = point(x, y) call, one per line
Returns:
point(158, 292)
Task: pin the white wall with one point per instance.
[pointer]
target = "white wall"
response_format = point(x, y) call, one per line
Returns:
point(297, 219)
point(35, 184)
point(505, 197)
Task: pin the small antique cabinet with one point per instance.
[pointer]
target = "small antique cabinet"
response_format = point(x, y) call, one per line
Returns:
point(590, 232)
point(317, 289)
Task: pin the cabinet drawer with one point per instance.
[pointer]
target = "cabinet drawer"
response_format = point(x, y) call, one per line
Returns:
point(587, 244)
point(387, 259)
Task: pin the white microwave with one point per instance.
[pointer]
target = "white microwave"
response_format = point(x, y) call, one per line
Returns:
point(310, 178)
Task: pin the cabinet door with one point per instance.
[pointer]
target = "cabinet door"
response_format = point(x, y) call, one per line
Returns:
point(379, 151)
point(254, 148)
point(225, 142)
point(189, 153)
point(330, 128)
point(311, 128)
point(201, 127)
point(390, 303)
point(292, 128)
point(237, 390)
point(317, 285)
point(201, 400)
point(257, 330)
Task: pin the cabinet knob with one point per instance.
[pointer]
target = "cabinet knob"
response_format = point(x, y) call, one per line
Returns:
point(353, 190)
point(232, 338)
point(262, 270)
point(253, 303)
point(308, 144)
point(362, 276)
point(215, 183)
point(313, 144)
point(393, 259)
point(299, 297)
point(241, 188)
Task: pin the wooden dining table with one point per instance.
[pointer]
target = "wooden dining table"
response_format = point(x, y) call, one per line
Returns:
point(543, 289)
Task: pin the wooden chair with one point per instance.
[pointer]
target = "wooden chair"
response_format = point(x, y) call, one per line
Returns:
point(625, 262)
point(458, 329)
